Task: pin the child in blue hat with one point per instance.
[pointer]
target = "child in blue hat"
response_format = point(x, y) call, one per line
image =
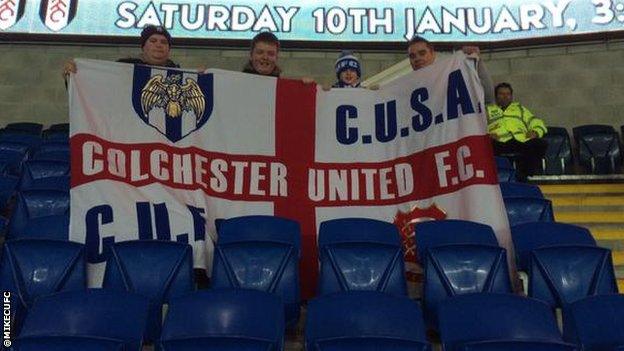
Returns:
point(348, 71)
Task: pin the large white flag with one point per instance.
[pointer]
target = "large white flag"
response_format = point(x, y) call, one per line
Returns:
point(161, 153)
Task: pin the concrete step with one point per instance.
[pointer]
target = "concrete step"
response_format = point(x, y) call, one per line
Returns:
point(575, 189)
point(579, 200)
point(607, 232)
point(590, 217)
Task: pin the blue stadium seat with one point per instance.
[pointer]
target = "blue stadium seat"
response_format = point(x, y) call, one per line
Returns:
point(45, 175)
point(452, 231)
point(27, 127)
point(519, 345)
point(54, 151)
point(93, 313)
point(60, 343)
point(260, 252)
point(502, 162)
point(158, 270)
point(61, 136)
point(8, 184)
point(585, 129)
point(558, 157)
point(511, 189)
point(505, 170)
point(506, 175)
point(364, 321)
point(40, 210)
point(462, 269)
point(595, 323)
point(224, 320)
point(471, 318)
point(360, 254)
point(19, 137)
point(600, 153)
point(30, 269)
point(528, 209)
point(530, 236)
point(59, 127)
point(560, 275)
point(12, 155)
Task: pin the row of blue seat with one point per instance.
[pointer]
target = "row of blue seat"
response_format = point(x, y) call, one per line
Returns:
point(36, 128)
point(262, 252)
point(240, 319)
point(597, 147)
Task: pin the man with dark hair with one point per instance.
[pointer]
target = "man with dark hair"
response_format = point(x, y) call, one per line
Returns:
point(263, 55)
point(155, 46)
point(516, 131)
point(422, 53)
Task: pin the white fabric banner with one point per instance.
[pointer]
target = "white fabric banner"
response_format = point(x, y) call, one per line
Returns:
point(162, 153)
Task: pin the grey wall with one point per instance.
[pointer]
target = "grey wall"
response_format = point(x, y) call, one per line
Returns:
point(567, 85)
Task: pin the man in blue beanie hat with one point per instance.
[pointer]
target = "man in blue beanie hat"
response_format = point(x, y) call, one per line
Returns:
point(348, 71)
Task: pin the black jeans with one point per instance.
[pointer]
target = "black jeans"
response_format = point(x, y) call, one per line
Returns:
point(528, 155)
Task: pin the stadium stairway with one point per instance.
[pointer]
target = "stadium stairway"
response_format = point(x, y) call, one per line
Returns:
point(598, 207)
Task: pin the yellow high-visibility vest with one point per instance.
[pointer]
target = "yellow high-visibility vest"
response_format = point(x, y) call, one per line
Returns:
point(513, 123)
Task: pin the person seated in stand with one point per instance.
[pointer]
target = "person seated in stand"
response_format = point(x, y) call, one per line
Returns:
point(515, 130)
point(155, 51)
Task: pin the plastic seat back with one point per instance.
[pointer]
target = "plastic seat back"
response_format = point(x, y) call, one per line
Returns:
point(8, 184)
point(585, 129)
point(530, 236)
point(528, 209)
point(600, 153)
point(260, 252)
point(59, 127)
point(486, 317)
point(224, 319)
point(56, 135)
point(27, 127)
point(20, 137)
point(12, 155)
point(34, 205)
point(560, 275)
point(53, 151)
point(95, 313)
point(595, 323)
point(30, 269)
point(158, 270)
point(506, 175)
point(519, 345)
point(452, 231)
point(558, 156)
point(504, 169)
point(360, 254)
point(462, 269)
point(45, 175)
point(364, 320)
point(513, 189)
point(60, 343)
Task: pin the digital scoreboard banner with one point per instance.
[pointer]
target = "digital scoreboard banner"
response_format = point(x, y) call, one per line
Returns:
point(343, 21)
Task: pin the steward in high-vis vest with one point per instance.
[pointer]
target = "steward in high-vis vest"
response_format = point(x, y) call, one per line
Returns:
point(516, 132)
point(514, 122)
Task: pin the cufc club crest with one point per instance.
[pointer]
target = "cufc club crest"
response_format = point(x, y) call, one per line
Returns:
point(176, 103)
point(11, 11)
point(405, 222)
point(57, 14)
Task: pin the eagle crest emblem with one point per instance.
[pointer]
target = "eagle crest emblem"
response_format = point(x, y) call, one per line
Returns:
point(176, 103)
point(169, 93)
